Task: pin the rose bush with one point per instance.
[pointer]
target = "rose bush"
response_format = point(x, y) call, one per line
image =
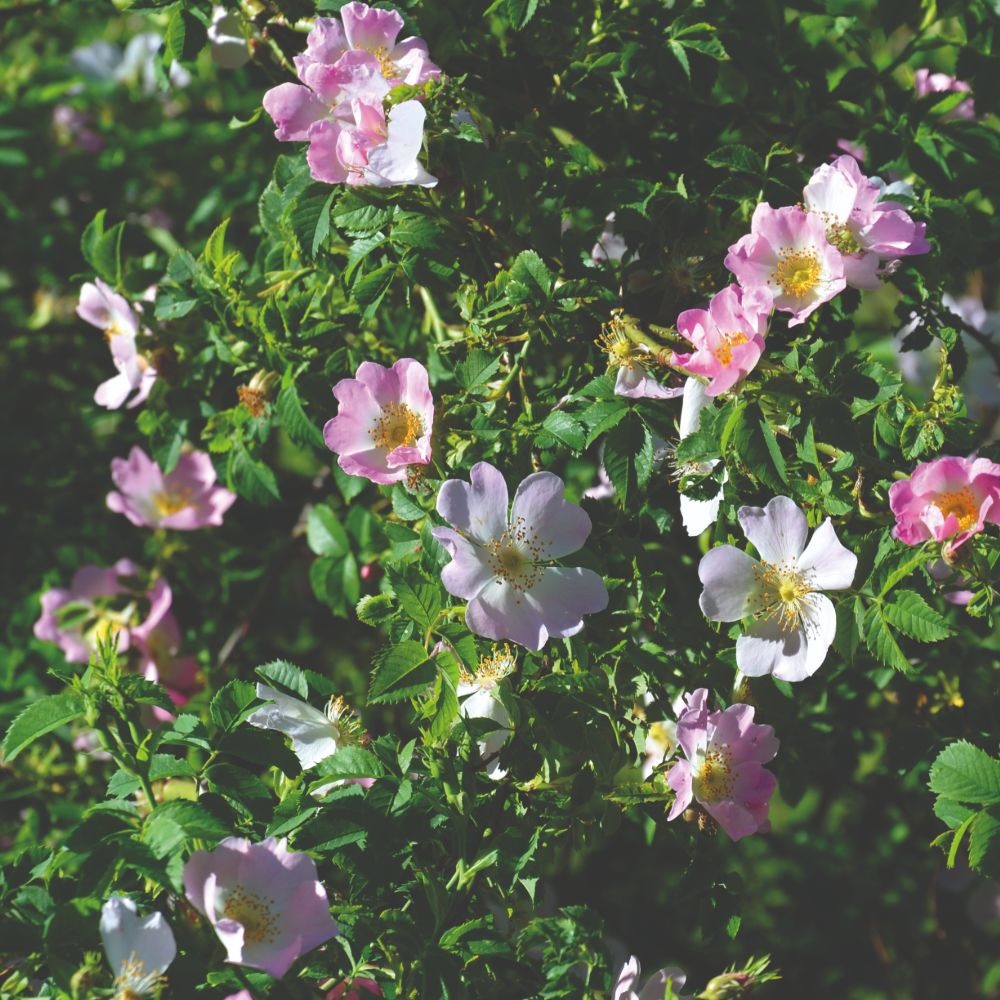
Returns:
point(562, 573)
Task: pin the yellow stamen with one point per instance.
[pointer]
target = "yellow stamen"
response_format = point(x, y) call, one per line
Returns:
point(171, 501)
point(713, 781)
point(781, 592)
point(515, 554)
point(254, 912)
point(961, 503)
point(492, 668)
point(798, 272)
point(724, 352)
point(397, 427)
point(620, 350)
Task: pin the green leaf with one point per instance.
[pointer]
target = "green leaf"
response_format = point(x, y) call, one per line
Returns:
point(420, 600)
point(294, 419)
point(477, 369)
point(914, 617)
point(324, 533)
point(285, 675)
point(107, 257)
point(375, 609)
point(628, 457)
point(370, 289)
point(92, 235)
point(232, 704)
point(173, 823)
point(215, 251)
point(252, 479)
point(39, 718)
point(882, 643)
point(984, 843)
point(401, 671)
point(350, 762)
point(404, 506)
point(965, 773)
point(530, 280)
point(773, 450)
point(736, 157)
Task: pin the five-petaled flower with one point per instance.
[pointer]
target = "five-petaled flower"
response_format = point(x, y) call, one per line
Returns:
point(184, 499)
point(139, 949)
point(264, 901)
point(793, 622)
point(383, 423)
point(502, 563)
point(723, 766)
point(481, 700)
point(728, 337)
point(787, 252)
point(949, 499)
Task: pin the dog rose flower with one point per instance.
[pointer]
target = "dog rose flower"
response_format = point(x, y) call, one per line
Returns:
point(184, 499)
point(626, 988)
point(139, 949)
point(722, 767)
point(728, 337)
point(793, 621)
point(264, 902)
point(925, 82)
point(502, 563)
point(867, 232)
point(383, 423)
point(787, 252)
point(949, 499)
point(481, 701)
point(696, 515)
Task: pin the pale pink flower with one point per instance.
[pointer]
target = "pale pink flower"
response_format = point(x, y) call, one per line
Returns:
point(481, 700)
point(158, 642)
point(722, 767)
point(383, 422)
point(265, 902)
point(949, 499)
point(793, 622)
point(99, 602)
point(867, 232)
point(139, 949)
point(502, 564)
point(925, 82)
point(728, 338)
point(184, 499)
point(110, 312)
point(854, 149)
point(626, 987)
point(786, 252)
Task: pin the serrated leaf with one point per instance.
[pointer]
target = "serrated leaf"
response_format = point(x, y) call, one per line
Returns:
point(374, 609)
point(401, 671)
point(628, 457)
point(232, 704)
point(370, 289)
point(530, 280)
point(173, 823)
point(40, 718)
point(914, 617)
point(477, 369)
point(324, 533)
point(350, 762)
point(294, 419)
point(882, 643)
point(736, 157)
point(984, 843)
point(420, 600)
point(285, 675)
point(965, 773)
point(252, 479)
point(404, 506)
point(566, 429)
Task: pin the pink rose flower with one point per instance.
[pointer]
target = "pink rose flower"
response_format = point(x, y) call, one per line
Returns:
point(867, 232)
point(502, 563)
point(100, 601)
point(656, 986)
point(383, 423)
point(949, 498)
point(722, 768)
point(786, 252)
point(925, 82)
point(183, 500)
point(793, 622)
point(107, 310)
point(728, 338)
point(158, 642)
point(265, 902)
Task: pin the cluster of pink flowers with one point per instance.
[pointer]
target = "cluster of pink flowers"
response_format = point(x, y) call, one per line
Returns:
point(347, 71)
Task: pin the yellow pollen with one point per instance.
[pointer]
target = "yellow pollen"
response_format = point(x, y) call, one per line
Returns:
point(253, 912)
point(961, 503)
point(724, 352)
point(713, 781)
point(133, 981)
point(839, 235)
point(397, 427)
point(514, 556)
point(797, 271)
point(344, 720)
point(660, 735)
point(386, 66)
point(171, 501)
point(619, 349)
point(492, 668)
point(780, 594)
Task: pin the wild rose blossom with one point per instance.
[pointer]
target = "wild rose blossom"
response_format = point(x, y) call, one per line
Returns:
point(347, 69)
point(139, 949)
point(626, 988)
point(793, 622)
point(481, 701)
point(100, 601)
point(867, 232)
point(158, 642)
point(184, 499)
point(696, 515)
point(632, 362)
point(265, 902)
point(722, 768)
point(949, 499)
point(110, 312)
point(925, 82)
point(502, 564)
point(787, 252)
point(383, 423)
point(728, 337)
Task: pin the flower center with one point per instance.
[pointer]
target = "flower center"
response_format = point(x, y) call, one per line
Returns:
point(724, 352)
point(385, 64)
point(961, 503)
point(620, 350)
point(344, 721)
point(133, 981)
point(492, 668)
point(713, 781)
point(797, 271)
point(253, 912)
point(839, 235)
point(781, 592)
point(169, 501)
point(515, 554)
point(397, 427)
